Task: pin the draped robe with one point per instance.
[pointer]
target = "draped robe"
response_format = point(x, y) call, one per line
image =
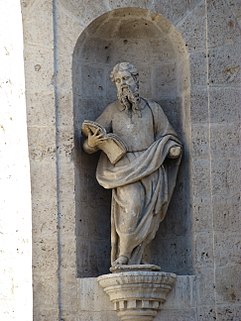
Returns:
point(143, 181)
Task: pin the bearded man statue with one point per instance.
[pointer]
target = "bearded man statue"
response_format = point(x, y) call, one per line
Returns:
point(143, 180)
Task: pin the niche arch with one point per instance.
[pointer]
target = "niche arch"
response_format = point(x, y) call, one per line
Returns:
point(153, 45)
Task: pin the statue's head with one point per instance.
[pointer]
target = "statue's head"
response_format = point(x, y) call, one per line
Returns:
point(126, 78)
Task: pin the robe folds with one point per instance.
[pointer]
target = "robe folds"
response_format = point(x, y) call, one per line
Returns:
point(142, 184)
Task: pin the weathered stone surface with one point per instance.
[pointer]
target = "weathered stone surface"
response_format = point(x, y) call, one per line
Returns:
point(38, 23)
point(223, 28)
point(193, 28)
point(225, 105)
point(203, 243)
point(206, 313)
point(225, 177)
point(199, 104)
point(205, 286)
point(201, 178)
point(207, 202)
point(97, 316)
point(175, 11)
point(177, 315)
point(200, 141)
point(225, 65)
point(229, 312)
point(198, 68)
point(226, 213)
point(228, 282)
point(227, 243)
point(202, 214)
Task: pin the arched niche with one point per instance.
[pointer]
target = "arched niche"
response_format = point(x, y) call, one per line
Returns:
point(151, 43)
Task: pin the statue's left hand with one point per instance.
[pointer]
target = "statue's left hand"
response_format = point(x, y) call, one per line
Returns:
point(174, 152)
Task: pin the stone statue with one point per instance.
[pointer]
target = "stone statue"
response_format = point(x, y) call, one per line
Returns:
point(143, 179)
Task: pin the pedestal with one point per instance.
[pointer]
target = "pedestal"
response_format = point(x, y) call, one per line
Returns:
point(138, 294)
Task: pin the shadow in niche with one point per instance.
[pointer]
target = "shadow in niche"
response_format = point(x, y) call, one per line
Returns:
point(151, 43)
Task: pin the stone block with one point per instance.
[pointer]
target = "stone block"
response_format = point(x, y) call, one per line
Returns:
point(206, 313)
point(69, 29)
point(176, 10)
point(225, 105)
point(68, 219)
point(64, 75)
point(42, 143)
point(92, 296)
point(145, 4)
point(200, 141)
point(38, 23)
point(177, 315)
point(183, 293)
point(199, 104)
point(83, 11)
point(222, 25)
point(235, 7)
point(201, 178)
point(40, 109)
point(227, 248)
point(69, 315)
point(46, 314)
point(202, 214)
point(225, 65)
point(229, 312)
point(44, 218)
point(45, 255)
point(193, 28)
point(68, 252)
point(228, 284)
point(226, 213)
point(45, 293)
point(205, 286)
point(97, 316)
point(203, 250)
point(226, 177)
point(198, 68)
point(225, 140)
point(66, 153)
point(39, 70)
point(69, 297)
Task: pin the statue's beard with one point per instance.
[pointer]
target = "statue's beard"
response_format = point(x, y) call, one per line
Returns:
point(128, 98)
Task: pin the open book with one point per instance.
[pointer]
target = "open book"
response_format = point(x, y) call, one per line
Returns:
point(112, 145)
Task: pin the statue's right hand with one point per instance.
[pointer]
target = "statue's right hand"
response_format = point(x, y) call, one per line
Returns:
point(94, 139)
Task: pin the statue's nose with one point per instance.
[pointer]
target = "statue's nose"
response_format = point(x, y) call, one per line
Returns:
point(123, 82)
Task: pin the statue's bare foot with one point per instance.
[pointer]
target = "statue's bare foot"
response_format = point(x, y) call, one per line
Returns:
point(121, 260)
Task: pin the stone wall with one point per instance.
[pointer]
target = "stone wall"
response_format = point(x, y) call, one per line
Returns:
point(62, 48)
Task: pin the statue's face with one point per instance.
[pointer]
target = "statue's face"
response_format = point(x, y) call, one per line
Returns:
point(124, 80)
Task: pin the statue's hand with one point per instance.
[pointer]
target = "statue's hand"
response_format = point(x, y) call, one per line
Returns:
point(174, 152)
point(94, 139)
